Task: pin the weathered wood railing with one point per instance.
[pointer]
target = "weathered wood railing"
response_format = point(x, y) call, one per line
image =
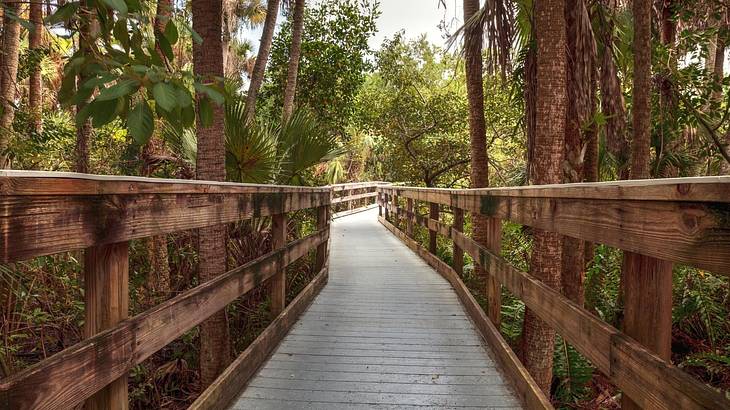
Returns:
point(354, 196)
point(684, 221)
point(47, 213)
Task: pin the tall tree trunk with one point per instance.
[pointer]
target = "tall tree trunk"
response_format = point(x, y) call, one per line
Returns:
point(215, 347)
point(579, 79)
point(257, 77)
point(538, 338)
point(667, 103)
point(35, 43)
point(612, 100)
point(158, 280)
point(87, 35)
point(646, 282)
point(295, 52)
point(718, 72)
point(477, 127)
point(8, 78)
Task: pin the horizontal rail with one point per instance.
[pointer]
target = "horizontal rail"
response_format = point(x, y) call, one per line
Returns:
point(691, 230)
point(646, 378)
point(71, 183)
point(354, 197)
point(357, 185)
point(95, 362)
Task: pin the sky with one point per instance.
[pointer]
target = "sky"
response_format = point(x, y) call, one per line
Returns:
point(416, 17)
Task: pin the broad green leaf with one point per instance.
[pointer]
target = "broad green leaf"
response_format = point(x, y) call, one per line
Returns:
point(141, 123)
point(183, 97)
point(196, 37)
point(63, 13)
point(120, 89)
point(205, 112)
point(103, 112)
point(165, 47)
point(211, 92)
point(165, 96)
point(118, 5)
point(171, 32)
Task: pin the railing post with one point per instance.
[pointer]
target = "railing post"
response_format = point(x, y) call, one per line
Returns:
point(385, 205)
point(349, 192)
point(647, 287)
point(494, 290)
point(106, 292)
point(396, 211)
point(409, 217)
point(432, 214)
point(322, 222)
point(379, 200)
point(278, 281)
point(458, 225)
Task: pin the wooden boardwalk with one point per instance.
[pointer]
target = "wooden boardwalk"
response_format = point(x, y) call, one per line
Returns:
point(386, 332)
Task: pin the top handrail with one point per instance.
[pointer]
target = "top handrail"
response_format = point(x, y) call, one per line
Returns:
point(702, 189)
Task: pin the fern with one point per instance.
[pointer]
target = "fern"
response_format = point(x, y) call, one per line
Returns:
point(573, 373)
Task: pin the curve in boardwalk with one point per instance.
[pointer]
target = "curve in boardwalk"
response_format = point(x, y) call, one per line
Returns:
point(387, 332)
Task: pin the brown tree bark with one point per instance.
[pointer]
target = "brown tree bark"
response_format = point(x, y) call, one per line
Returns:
point(473, 37)
point(35, 86)
point(612, 100)
point(579, 78)
point(646, 282)
point(162, 17)
point(257, 76)
point(550, 30)
point(8, 75)
point(215, 347)
point(87, 35)
point(295, 52)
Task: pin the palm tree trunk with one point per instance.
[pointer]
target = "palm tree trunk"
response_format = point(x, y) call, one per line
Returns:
point(215, 347)
point(477, 128)
point(579, 79)
point(538, 338)
point(296, 50)
point(257, 77)
point(8, 74)
point(646, 282)
point(35, 43)
point(87, 34)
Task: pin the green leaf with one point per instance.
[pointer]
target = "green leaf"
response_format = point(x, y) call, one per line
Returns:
point(118, 5)
point(205, 112)
point(171, 32)
point(121, 33)
point(120, 89)
point(165, 47)
point(183, 97)
point(165, 96)
point(63, 13)
point(103, 112)
point(211, 92)
point(141, 123)
point(196, 37)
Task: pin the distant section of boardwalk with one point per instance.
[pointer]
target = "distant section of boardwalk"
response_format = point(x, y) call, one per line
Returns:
point(386, 332)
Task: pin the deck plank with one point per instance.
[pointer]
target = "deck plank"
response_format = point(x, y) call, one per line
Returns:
point(386, 332)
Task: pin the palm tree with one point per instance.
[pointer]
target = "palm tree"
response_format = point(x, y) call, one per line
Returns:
point(477, 128)
point(296, 50)
point(580, 66)
point(35, 43)
point(550, 109)
point(215, 347)
point(257, 77)
point(8, 74)
point(646, 282)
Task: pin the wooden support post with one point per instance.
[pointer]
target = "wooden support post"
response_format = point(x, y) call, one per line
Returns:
point(458, 225)
point(647, 287)
point(106, 282)
point(323, 221)
point(385, 205)
point(494, 290)
point(349, 192)
point(396, 211)
point(278, 281)
point(409, 217)
point(379, 199)
point(432, 214)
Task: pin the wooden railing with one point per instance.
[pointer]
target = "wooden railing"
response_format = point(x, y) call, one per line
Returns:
point(354, 196)
point(685, 220)
point(47, 213)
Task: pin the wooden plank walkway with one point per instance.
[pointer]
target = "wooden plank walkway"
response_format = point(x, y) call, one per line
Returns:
point(386, 332)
